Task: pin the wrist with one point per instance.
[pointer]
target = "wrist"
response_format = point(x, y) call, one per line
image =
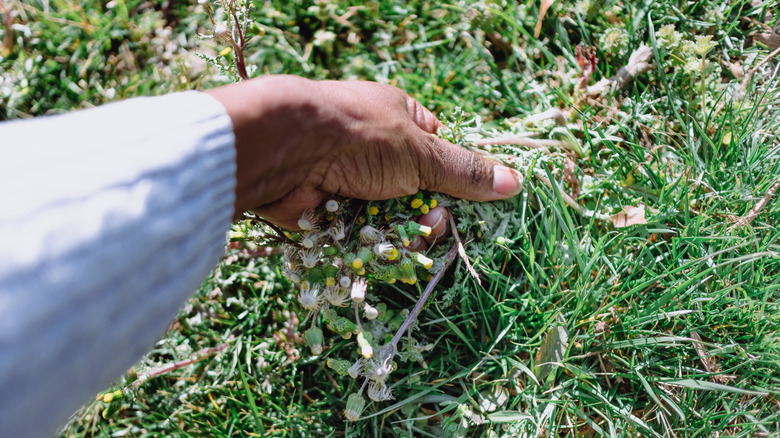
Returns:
point(274, 119)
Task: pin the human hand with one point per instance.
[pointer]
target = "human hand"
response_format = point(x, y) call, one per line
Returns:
point(300, 141)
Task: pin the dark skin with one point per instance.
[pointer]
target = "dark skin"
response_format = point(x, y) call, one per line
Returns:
point(300, 142)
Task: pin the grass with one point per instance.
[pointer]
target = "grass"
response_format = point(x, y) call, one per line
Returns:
point(668, 328)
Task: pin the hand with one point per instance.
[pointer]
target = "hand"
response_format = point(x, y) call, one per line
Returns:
point(300, 141)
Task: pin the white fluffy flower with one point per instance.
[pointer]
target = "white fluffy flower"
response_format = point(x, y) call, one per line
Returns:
point(379, 367)
point(358, 291)
point(308, 221)
point(369, 234)
point(293, 273)
point(378, 392)
point(356, 368)
point(311, 257)
point(310, 239)
point(337, 296)
point(336, 231)
point(309, 297)
point(370, 311)
point(332, 205)
point(383, 249)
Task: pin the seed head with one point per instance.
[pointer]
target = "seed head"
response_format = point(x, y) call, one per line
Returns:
point(369, 234)
point(332, 205)
point(379, 392)
point(309, 297)
point(356, 368)
point(222, 33)
point(370, 312)
point(384, 249)
point(308, 221)
point(311, 257)
point(336, 231)
point(337, 296)
point(291, 255)
point(293, 273)
point(358, 292)
point(379, 367)
point(310, 239)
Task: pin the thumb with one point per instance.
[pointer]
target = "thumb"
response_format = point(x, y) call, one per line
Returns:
point(459, 172)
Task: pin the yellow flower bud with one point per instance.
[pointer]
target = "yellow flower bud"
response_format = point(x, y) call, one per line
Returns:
point(423, 260)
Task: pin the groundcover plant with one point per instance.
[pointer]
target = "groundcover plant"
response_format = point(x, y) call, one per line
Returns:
point(630, 290)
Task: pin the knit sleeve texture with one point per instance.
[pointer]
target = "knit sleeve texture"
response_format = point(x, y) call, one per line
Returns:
point(109, 219)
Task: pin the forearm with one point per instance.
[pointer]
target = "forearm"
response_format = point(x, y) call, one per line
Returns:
point(111, 218)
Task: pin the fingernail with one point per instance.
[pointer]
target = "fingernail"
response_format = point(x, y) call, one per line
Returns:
point(417, 244)
point(507, 182)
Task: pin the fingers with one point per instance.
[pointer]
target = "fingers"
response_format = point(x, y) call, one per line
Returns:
point(422, 116)
point(458, 172)
point(286, 211)
point(438, 220)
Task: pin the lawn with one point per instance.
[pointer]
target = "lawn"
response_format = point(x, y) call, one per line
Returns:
point(630, 290)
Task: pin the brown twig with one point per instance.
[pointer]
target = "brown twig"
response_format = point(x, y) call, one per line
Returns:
point(276, 229)
point(753, 213)
point(462, 250)
point(238, 48)
point(428, 289)
point(266, 251)
point(197, 357)
point(524, 141)
point(752, 71)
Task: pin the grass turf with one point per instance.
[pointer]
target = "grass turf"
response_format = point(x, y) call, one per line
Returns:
point(668, 328)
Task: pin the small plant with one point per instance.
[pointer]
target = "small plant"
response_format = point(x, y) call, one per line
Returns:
point(229, 29)
point(343, 248)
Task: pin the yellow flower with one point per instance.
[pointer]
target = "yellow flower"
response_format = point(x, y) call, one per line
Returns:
point(425, 261)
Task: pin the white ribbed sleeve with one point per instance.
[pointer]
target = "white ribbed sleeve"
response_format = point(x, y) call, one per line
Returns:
point(109, 219)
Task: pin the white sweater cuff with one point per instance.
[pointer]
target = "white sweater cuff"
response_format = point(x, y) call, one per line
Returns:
point(111, 217)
